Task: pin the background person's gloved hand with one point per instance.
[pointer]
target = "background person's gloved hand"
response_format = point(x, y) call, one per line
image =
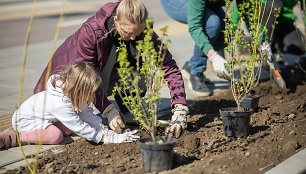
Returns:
point(178, 121)
point(115, 118)
point(266, 51)
point(112, 137)
point(275, 74)
point(218, 63)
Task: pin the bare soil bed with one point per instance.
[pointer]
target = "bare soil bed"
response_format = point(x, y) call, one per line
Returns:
point(277, 132)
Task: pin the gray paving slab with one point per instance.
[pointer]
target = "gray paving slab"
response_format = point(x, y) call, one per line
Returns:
point(14, 165)
point(17, 153)
point(13, 158)
point(10, 62)
point(8, 157)
point(44, 8)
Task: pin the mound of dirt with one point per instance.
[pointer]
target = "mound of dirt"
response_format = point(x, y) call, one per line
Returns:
point(277, 132)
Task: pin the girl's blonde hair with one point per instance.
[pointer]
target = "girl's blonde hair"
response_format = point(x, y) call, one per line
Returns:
point(133, 11)
point(80, 82)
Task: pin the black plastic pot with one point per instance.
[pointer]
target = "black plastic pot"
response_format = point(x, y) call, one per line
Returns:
point(157, 157)
point(250, 102)
point(236, 123)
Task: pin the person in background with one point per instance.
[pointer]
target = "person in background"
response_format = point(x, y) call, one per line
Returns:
point(282, 36)
point(96, 42)
point(64, 107)
point(278, 14)
point(287, 38)
point(205, 25)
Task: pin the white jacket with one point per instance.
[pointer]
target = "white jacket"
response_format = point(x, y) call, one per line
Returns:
point(44, 108)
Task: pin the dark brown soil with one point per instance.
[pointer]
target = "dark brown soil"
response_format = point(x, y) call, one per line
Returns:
point(277, 132)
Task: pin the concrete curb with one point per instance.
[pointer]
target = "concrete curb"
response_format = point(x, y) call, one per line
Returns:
point(296, 164)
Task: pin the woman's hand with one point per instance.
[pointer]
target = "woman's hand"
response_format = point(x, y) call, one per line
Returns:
point(115, 118)
point(178, 121)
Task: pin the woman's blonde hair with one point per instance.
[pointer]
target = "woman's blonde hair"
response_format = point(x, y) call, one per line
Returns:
point(80, 82)
point(133, 11)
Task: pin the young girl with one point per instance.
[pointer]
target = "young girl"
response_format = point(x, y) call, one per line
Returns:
point(64, 107)
point(96, 41)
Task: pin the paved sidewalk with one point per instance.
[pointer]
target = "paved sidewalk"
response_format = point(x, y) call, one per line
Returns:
point(12, 158)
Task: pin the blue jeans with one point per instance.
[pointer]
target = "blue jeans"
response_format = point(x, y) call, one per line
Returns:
point(212, 23)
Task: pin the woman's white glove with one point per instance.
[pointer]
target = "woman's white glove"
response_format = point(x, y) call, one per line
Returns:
point(178, 121)
point(115, 118)
point(218, 63)
point(112, 137)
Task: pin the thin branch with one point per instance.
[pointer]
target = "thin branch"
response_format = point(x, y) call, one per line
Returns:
point(300, 67)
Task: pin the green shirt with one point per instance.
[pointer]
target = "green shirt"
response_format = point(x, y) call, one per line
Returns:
point(196, 9)
point(287, 14)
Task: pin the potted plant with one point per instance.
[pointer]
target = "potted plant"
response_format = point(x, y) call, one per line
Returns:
point(244, 69)
point(157, 151)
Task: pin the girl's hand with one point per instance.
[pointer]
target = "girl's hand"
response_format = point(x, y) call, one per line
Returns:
point(113, 137)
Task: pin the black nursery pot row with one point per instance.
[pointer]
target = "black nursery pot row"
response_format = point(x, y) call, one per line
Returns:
point(237, 123)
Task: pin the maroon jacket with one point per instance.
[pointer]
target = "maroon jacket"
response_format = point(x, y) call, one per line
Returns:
point(91, 43)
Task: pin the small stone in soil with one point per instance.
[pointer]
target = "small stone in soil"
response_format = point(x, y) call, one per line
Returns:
point(292, 132)
point(291, 116)
point(191, 142)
